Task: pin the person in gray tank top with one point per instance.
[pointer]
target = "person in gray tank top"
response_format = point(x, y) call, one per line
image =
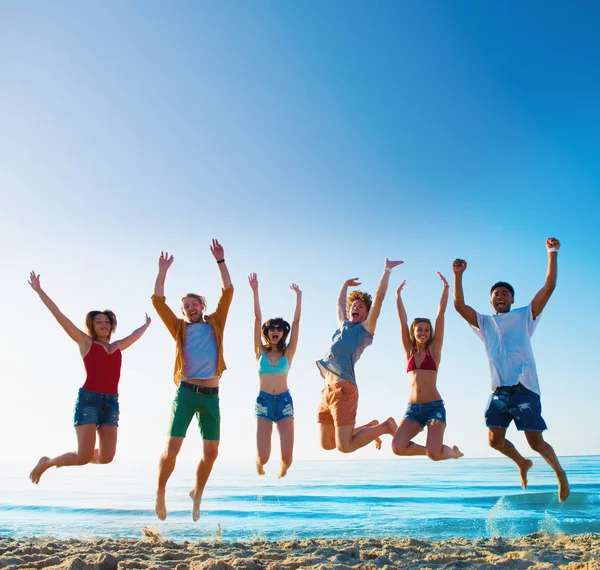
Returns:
point(357, 318)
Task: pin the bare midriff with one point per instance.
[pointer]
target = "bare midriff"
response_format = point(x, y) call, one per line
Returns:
point(331, 379)
point(206, 382)
point(423, 386)
point(273, 383)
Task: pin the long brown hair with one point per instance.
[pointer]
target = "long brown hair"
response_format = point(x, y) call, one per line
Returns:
point(411, 333)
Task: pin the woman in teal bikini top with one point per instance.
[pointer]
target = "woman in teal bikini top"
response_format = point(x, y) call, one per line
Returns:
point(274, 403)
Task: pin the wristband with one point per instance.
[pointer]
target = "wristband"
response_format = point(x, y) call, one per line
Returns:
point(388, 269)
point(553, 250)
point(221, 260)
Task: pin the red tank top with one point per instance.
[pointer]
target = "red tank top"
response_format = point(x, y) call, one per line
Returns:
point(427, 364)
point(103, 370)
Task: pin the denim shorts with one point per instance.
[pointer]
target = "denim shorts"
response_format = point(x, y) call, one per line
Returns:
point(426, 413)
point(274, 407)
point(96, 408)
point(517, 403)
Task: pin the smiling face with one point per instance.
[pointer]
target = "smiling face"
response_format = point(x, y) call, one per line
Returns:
point(358, 311)
point(192, 308)
point(420, 333)
point(501, 300)
point(101, 324)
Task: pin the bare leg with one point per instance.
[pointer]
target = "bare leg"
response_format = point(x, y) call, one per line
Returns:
point(327, 436)
point(107, 446)
point(537, 443)
point(372, 423)
point(166, 465)
point(209, 456)
point(497, 440)
point(264, 431)
point(285, 428)
point(436, 450)
point(86, 440)
point(349, 440)
point(402, 444)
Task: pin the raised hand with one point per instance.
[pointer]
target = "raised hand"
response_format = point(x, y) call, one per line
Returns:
point(391, 264)
point(295, 289)
point(165, 261)
point(459, 266)
point(400, 287)
point(443, 279)
point(253, 281)
point(552, 243)
point(354, 282)
point(217, 250)
point(148, 320)
point(34, 281)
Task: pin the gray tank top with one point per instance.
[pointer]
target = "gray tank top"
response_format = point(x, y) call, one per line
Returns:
point(347, 344)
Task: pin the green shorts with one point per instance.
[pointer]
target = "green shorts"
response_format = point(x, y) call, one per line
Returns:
point(205, 407)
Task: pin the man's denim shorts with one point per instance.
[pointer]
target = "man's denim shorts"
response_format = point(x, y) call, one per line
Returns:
point(274, 407)
point(95, 408)
point(517, 403)
point(426, 413)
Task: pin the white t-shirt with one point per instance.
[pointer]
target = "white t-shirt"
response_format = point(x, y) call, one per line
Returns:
point(508, 346)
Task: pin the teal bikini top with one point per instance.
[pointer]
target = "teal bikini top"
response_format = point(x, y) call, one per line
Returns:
point(265, 367)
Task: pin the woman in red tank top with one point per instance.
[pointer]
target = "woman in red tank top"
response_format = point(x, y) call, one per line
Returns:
point(97, 406)
point(425, 408)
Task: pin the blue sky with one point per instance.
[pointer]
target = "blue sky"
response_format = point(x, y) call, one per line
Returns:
point(313, 140)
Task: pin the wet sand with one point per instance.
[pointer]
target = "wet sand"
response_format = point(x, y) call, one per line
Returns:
point(536, 551)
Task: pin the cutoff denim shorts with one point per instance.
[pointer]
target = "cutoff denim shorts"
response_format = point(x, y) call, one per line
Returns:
point(518, 403)
point(274, 407)
point(96, 408)
point(426, 413)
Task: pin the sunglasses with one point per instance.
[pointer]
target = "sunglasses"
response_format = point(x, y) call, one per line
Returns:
point(275, 328)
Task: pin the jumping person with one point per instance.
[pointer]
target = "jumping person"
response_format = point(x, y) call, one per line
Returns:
point(516, 392)
point(274, 402)
point(423, 350)
point(357, 318)
point(97, 405)
point(199, 364)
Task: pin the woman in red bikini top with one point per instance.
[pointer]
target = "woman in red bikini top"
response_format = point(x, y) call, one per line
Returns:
point(423, 350)
point(97, 406)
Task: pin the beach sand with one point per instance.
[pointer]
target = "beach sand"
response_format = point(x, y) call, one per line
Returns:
point(535, 551)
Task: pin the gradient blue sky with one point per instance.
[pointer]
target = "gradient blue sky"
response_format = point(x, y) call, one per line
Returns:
point(313, 139)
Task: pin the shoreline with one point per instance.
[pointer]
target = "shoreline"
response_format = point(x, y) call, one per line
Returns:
point(534, 551)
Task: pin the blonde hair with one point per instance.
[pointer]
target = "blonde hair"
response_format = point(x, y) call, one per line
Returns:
point(359, 296)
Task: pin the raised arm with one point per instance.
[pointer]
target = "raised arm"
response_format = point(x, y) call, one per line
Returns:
point(164, 262)
point(343, 297)
point(134, 336)
point(543, 295)
point(291, 349)
point(404, 329)
point(466, 312)
point(219, 253)
point(371, 320)
point(438, 338)
point(258, 345)
point(82, 339)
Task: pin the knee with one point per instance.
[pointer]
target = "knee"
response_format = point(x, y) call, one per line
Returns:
point(398, 449)
point(434, 455)
point(495, 441)
point(210, 455)
point(84, 458)
point(104, 459)
point(344, 447)
point(328, 445)
point(537, 445)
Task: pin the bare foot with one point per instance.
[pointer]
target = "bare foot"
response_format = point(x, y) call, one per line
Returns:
point(196, 497)
point(160, 507)
point(39, 469)
point(563, 487)
point(526, 467)
point(457, 452)
point(283, 469)
point(391, 426)
point(259, 468)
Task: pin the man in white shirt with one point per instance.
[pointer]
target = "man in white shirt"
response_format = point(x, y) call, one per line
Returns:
point(516, 392)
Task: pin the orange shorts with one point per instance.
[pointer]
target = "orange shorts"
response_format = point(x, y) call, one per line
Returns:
point(338, 405)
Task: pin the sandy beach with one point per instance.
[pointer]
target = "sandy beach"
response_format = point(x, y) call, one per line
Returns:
point(535, 551)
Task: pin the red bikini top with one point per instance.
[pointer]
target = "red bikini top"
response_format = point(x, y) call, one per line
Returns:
point(427, 364)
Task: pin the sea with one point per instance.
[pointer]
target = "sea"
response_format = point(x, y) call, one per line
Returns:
point(400, 498)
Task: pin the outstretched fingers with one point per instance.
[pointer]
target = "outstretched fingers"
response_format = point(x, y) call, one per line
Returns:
point(444, 281)
point(34, 281)
point(391, 264)
point(400, 287)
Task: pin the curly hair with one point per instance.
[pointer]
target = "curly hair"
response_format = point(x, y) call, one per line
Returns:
point(281, 346)
point(359, 296)
point(89, 322)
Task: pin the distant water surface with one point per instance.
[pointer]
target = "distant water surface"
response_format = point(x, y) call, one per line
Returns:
point(329, 499)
